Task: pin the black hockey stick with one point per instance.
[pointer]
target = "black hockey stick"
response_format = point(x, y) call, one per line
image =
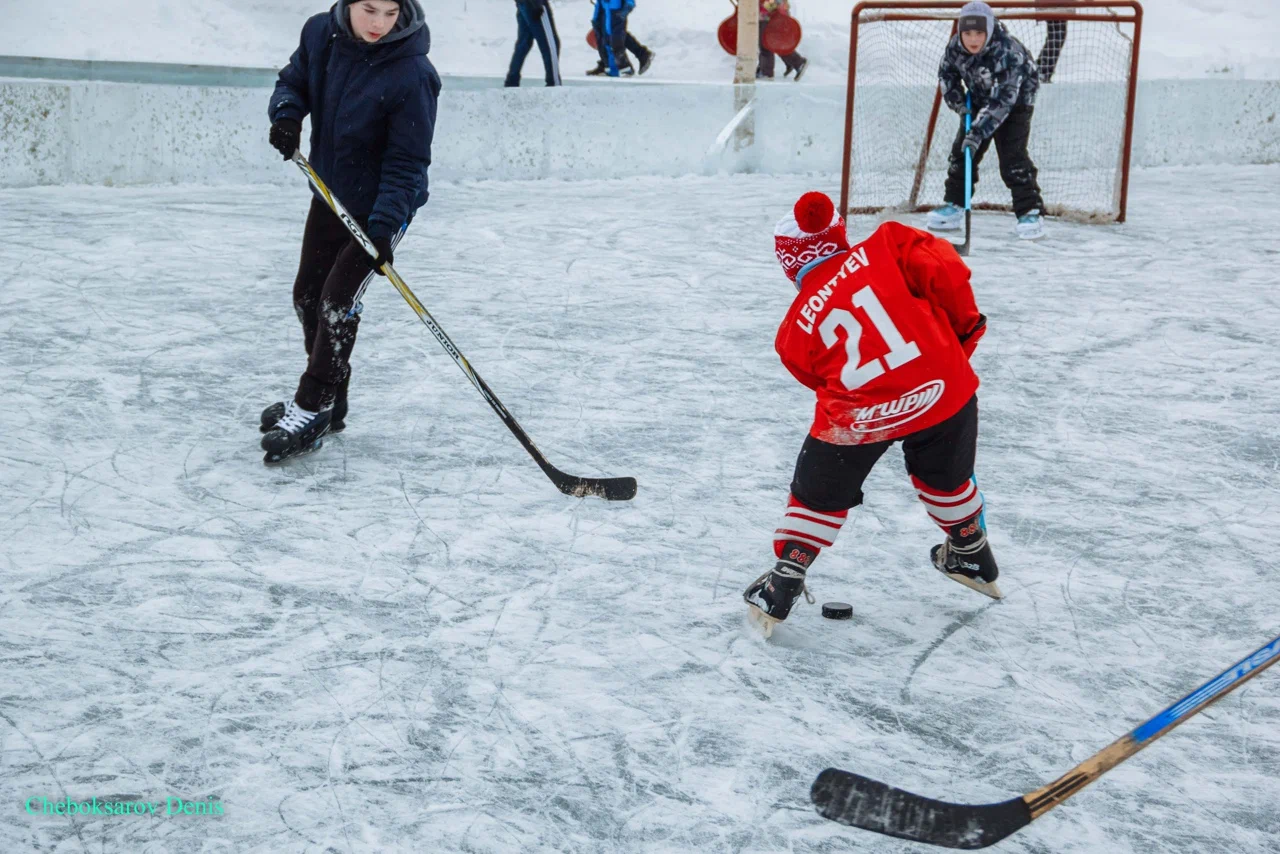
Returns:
point(865, 803)
point(611, 488)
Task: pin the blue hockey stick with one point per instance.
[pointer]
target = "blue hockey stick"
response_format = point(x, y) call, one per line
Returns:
point(868, 804)
point(963, 248)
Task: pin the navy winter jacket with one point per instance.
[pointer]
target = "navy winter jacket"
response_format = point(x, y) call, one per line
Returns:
point(373, 112)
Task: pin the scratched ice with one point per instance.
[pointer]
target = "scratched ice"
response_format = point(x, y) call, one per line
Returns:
point(411, 642)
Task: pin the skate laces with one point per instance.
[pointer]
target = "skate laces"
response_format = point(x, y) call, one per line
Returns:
point(786, 569)
point(295, 418)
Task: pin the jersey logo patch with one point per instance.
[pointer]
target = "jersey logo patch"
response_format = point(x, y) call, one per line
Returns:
point(913, 404)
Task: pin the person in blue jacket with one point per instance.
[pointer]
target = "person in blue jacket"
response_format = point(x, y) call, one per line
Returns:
point(609, 21)
point(535, 22)
point(361, 72)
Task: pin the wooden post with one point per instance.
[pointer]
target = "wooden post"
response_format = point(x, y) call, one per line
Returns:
point(744, 75)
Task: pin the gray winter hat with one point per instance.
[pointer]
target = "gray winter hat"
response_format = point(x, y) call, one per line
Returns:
point(977, 16)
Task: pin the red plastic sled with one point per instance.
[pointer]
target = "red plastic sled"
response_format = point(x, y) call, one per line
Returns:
point(782, 34)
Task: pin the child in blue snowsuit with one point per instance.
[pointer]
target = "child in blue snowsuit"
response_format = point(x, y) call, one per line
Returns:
point(613, 41)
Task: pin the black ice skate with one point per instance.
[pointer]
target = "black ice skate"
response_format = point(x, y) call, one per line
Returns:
point(297, 432)
point(770, 597)
point(273, 413)
point(966, 557)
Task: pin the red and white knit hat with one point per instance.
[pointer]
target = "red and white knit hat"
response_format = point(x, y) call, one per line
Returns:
point(811, 231)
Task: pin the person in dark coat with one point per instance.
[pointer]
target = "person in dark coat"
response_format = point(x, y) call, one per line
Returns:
point(535, 23)
point(361, 72)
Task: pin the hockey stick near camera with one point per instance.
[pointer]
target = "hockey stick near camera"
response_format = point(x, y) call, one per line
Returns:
point(610, 488)
point(963, 249)
point(865, 803)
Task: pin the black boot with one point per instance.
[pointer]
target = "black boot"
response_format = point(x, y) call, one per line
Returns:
point(771, 596)
point(297, 432)
point(599, 71)
point(966, 557)
point(646, 60)
point(338, 420)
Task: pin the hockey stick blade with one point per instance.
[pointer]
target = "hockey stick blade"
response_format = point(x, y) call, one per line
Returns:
point(608, 488)
point(962, 249)
point(871, 805)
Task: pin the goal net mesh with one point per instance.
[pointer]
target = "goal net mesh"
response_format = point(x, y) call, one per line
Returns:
point(900, 139)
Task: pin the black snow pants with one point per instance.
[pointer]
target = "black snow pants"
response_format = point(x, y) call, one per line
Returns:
point(1016, 168)
point(829, 478)
point(332, 276)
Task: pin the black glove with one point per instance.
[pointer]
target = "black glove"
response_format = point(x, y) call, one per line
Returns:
point(970, 143)
point(285, 136)
point(385, 255)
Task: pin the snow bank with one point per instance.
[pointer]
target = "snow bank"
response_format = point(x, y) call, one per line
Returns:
point(112, 133)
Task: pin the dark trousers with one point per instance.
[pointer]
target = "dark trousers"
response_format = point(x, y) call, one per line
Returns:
point(829, 478)
point(332, 276)
point(612, 37)
point(1055, 38)
point(535, 23)
point(1016, 168)
point(792, 61)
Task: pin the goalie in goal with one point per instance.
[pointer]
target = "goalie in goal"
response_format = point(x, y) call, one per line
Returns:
point(998, 73)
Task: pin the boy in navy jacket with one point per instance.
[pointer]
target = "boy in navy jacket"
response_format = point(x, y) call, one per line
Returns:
point(361, 72)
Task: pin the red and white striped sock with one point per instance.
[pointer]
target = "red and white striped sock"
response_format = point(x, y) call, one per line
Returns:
point(811, 529)
point(948, 509)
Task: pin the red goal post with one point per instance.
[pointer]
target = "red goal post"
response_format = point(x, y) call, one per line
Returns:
point(895, 155)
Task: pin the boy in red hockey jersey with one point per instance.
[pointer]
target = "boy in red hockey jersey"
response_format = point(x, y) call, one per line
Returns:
point(883, 333)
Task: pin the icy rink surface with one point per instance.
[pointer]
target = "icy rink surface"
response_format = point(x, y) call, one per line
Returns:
point(410, 641)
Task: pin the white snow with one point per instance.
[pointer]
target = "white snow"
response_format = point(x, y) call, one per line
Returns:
point(1182, 38)
point(410, 641)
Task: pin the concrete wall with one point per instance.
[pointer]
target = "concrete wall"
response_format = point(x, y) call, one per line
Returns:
point(54, 132)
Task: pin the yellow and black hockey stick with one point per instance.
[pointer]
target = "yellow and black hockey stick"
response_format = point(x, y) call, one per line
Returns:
point(611, 488)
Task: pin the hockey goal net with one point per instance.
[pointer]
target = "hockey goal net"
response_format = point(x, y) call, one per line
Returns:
point(898, 133)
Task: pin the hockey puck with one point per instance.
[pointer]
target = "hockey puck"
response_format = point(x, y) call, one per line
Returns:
point(837, 611)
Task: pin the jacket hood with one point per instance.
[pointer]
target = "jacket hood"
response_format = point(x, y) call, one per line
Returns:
point(411, 27)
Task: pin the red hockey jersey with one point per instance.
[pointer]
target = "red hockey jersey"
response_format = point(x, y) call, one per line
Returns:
point(883, 334)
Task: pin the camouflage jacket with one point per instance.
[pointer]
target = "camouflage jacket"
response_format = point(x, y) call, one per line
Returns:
point(1000, 77)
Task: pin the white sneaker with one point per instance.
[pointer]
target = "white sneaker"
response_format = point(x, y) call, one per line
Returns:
point(949, 217)
point(1030, 226)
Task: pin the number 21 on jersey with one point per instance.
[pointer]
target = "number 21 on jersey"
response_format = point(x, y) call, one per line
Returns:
point(901, 351)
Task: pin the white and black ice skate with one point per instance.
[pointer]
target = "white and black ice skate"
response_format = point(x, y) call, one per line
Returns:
point(298, 431)
point(1030, 226)
point(273, 413)
point(770, 597)
point(967, 558)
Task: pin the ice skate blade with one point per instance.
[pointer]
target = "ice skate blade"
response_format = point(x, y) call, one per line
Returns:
point(275, 460)
point(932, 226)
point(986, 588)
point(761, 621)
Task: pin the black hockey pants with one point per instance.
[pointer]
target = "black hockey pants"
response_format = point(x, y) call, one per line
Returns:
point(829, 477)
point(332, 276)
point(1016, 168)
